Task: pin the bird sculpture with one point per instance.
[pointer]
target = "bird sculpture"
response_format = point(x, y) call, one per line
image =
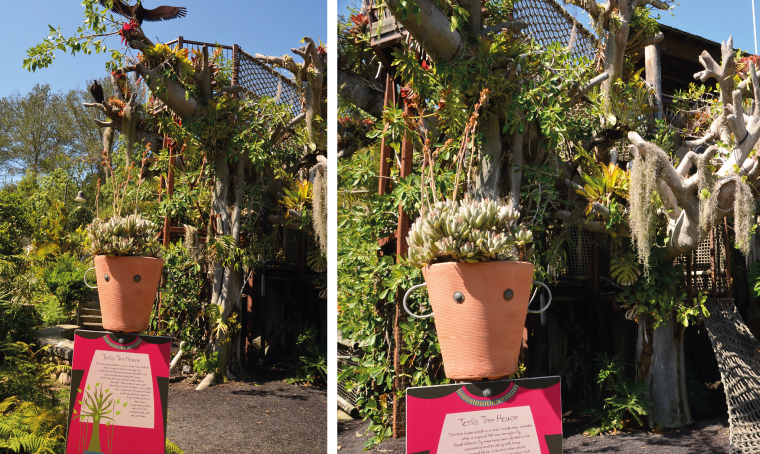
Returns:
point(141, 14)
point(96, 90)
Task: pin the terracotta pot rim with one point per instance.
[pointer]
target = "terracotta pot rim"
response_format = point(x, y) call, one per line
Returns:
point(454, 263)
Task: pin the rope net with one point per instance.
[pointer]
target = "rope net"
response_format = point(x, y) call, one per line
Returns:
point(738, 355)
point(262, 80)
point(549, 22)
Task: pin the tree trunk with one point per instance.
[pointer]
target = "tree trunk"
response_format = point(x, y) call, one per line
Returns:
point(660, 361)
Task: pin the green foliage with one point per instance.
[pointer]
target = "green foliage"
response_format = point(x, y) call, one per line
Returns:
point(660, 294)
point(182, 314)
point(13, 224)
point(17, 320)
point(172, 448)
point(467, 231)
point(65, 279)
point(624, 269)
point(311, 366)
point(26, 428)
point(204, 365)
point(618, 399)
point(124, 236)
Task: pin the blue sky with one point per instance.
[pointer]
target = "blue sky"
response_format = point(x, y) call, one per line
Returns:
point(262, 26)
point(711, 19)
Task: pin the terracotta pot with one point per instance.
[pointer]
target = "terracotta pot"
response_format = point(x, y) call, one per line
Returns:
point(480, 331)
point(128, 291)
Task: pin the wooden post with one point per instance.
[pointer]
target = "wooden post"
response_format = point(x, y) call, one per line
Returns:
point(713, 268)
point(180, 42)
point(402, 248)
point(727, 248)
point(386, 152)
point(235, 65)
point(653, 63)
point(169, 192)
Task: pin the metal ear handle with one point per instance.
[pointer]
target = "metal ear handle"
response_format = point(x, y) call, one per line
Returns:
point(548, 303)
point(407, 308)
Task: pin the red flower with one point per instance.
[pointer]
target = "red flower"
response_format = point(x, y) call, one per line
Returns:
point(425, 65)
point(358, 19)
point(321, 50)
point(405, 92)
point(128, 27)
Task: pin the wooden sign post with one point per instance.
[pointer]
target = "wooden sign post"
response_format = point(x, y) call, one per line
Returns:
point(119, 393)
point(522, 416)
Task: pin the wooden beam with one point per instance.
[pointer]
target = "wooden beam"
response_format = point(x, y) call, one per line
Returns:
point(653, 64)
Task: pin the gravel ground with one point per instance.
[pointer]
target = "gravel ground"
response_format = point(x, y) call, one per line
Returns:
point(704, 436)
point(265, 415)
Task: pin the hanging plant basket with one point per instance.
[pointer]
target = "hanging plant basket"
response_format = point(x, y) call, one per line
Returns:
point(480, 311)
point(127, 288)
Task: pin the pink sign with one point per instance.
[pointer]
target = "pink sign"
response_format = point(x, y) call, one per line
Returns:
point(521, 416)
point(119, 393)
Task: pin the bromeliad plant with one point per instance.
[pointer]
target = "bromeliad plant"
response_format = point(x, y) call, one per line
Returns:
point(124, 236)
point(468, 231)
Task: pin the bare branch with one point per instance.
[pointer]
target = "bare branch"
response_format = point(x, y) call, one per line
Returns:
point(723, 74)
point(580, 94)
point(656, 3)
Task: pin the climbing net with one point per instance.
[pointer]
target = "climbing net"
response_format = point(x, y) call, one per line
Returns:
point(738, 355)
point(549, 22)
point(263, 80)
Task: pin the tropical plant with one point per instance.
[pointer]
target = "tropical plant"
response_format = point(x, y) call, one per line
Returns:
point(311, 365)
point(618, 398)
point(468, 231)
point(124, 236)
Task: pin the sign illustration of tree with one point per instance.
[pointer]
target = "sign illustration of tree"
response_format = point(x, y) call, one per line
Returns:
point(98, 406)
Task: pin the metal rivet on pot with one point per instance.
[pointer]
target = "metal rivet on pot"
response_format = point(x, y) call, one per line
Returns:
point(487, 392)
point(107, 277)
point(508, 294)
point(137, 278)
point(459, 297)
point(121, 340)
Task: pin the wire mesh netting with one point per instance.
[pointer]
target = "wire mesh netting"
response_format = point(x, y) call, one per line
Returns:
point(738, 355)
point(701, 260)
point(263, 80)
point(549, 22)
point(579, 248)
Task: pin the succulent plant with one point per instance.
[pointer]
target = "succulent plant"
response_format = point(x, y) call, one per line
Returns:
point(124, 236)
point(467, 231)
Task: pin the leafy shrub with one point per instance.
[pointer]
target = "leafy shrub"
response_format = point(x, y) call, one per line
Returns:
point(311, 366)
point(65, 279)
point(204, 365)
point(18, 321)
point(619, 399)
point(13, 224)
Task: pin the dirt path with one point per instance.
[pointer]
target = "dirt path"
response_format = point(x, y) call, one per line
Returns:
point(704, 436)
point(266, 415)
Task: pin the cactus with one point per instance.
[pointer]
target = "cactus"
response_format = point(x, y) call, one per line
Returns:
point(124, 236)
point(467, 231)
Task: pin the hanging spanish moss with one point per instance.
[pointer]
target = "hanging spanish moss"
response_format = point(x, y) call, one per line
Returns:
point(708, 188)
point(643, 216)
point(744, 213)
